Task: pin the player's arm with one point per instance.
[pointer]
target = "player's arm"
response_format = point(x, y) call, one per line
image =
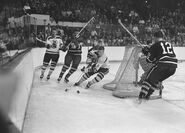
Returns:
point(66, 45)
point(151, 57)
point(62, 46)
point(100, 63)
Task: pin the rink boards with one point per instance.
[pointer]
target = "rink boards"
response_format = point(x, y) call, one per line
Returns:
point(25, 71)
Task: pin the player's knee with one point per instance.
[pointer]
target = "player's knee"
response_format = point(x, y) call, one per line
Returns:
point(106, 72)
point(53, 64)
point(66, 66)
point(75, 66)
point(45, 64)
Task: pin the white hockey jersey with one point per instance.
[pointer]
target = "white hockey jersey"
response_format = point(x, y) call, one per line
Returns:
point(103, 62)
point(56, 43)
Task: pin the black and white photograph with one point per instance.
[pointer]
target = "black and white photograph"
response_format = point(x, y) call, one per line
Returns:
point(92, 66)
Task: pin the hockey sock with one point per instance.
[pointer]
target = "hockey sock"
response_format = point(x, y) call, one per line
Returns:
point(44, 68)
point(147, 89)
point(98, 78)
point(71, 71)
point(52, 68)
point(83, 78)
point(64, 69)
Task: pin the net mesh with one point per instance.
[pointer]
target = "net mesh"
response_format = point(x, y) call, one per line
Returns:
point(127, 74)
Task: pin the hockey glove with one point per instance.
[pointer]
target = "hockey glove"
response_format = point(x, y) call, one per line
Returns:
point(63, 48)
point(48, 46)
point(145, 50)
point(91, 69)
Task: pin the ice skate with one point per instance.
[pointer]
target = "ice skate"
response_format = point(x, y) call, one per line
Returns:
point(41, 76)
point(77, 84)
point(59, 79)
point(66, 80)
point(48, 77)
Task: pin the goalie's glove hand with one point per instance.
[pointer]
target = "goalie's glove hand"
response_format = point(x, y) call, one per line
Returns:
point(145, 50)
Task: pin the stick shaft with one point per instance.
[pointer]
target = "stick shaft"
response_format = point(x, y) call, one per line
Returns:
point(84, 27)
point(130, 33)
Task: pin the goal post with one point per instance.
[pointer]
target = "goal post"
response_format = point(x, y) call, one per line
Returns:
point(123, 84)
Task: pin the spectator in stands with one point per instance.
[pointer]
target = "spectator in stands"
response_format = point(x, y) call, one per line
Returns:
point(27, 9)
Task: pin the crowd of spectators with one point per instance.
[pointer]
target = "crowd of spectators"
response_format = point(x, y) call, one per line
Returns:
point(106, 30)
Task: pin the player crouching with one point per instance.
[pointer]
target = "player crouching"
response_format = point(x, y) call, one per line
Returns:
point(162, 55)
point(91, 57)
point(101, 68)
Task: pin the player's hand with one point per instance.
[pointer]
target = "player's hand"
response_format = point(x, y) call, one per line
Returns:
point(145, 50)
point(48, 46)
point(63, 48)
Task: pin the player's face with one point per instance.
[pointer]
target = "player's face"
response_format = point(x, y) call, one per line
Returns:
point(100, 52)
point(54, 32)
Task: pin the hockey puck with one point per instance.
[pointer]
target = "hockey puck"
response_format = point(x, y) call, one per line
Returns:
point(78, 91)
point(66, 90)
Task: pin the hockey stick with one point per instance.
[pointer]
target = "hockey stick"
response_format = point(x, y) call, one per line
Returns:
point(119, 21)
point(78, 34)
point(70, 87)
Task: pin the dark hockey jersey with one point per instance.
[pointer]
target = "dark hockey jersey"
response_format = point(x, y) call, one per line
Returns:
point(162, 53)
point(75, 49)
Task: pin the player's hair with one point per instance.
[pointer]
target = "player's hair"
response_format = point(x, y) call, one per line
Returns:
point(101, 48)
point(158, 34)
point(96, 47)
point(148, 42)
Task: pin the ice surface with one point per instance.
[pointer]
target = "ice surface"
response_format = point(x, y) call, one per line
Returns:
point(52, 110)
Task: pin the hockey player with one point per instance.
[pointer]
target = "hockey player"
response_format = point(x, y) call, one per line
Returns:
point(146, 66)
point(101, 68)
point(91, 57)
point(53, 44)
point(161, 54)
point(73, 57)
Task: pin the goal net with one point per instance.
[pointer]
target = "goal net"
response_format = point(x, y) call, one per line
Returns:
point(124, 83)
